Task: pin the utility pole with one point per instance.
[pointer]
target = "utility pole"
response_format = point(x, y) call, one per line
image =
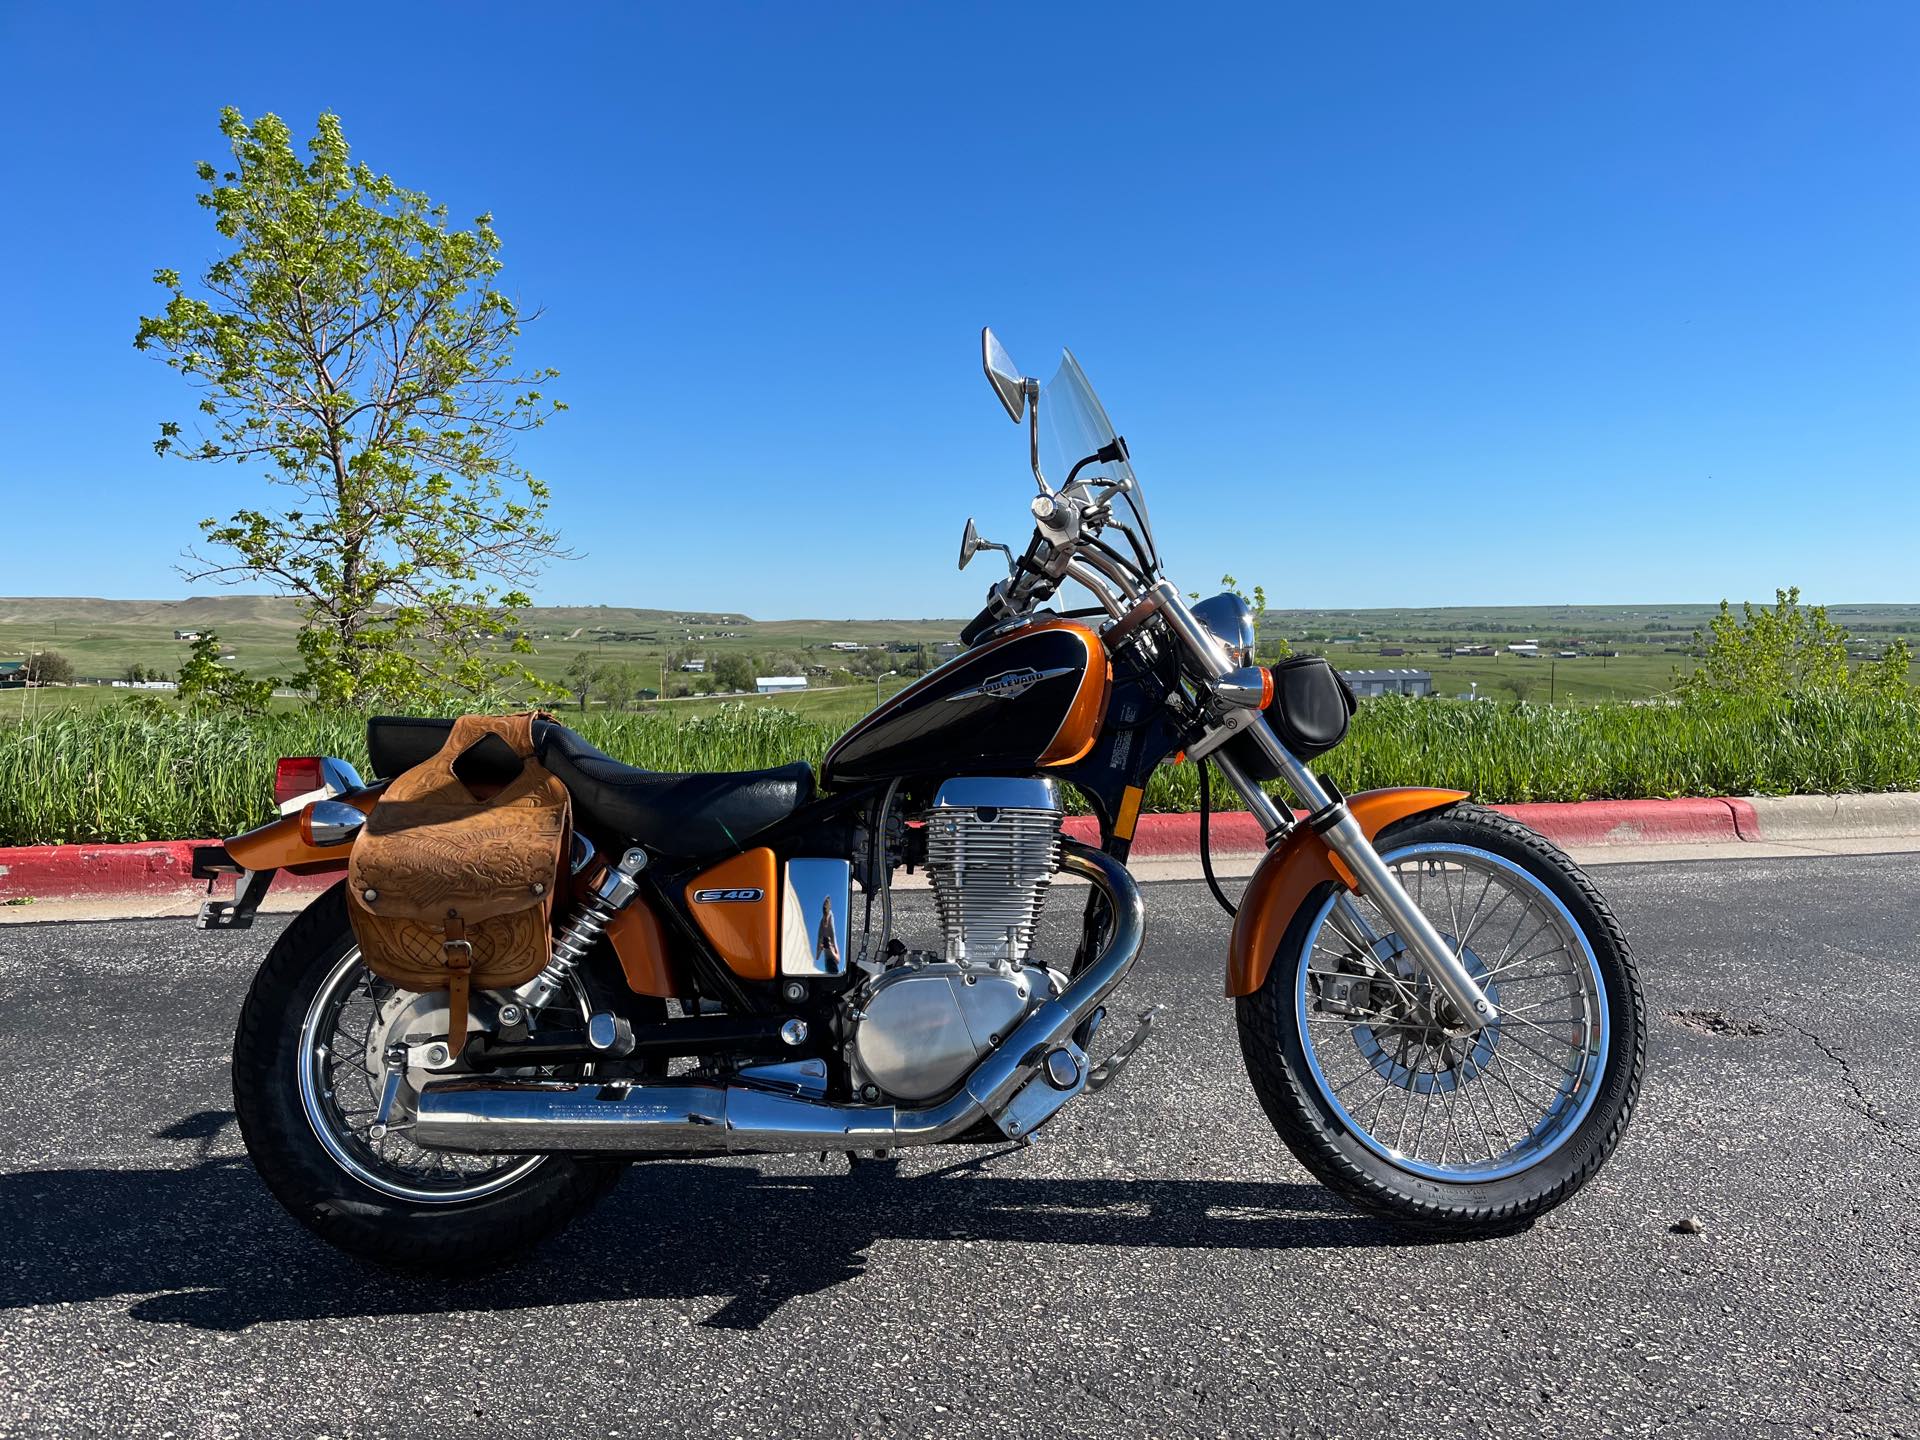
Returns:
point(1553, 670)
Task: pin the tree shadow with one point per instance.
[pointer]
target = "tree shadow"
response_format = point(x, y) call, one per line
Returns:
point(206, 1246)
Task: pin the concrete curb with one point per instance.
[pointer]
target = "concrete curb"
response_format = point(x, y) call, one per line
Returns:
point(1825, 817)
point(163, 868)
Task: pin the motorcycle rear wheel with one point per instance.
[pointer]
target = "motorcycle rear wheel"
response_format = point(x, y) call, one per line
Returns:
point(1461, 1134)
point(335, 1183)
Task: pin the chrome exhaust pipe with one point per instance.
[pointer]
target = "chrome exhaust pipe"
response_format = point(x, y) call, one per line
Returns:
point(494, 1115)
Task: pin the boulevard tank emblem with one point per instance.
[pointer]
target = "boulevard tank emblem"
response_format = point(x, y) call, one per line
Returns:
point(1010, 684)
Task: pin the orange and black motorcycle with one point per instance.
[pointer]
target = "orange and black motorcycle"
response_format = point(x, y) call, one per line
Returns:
point(1436, 1008)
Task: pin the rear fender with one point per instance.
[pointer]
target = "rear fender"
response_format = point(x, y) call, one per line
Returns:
point(1298, 866)
point(283, 845)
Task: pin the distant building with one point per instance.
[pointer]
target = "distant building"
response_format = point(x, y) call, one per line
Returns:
point(846, 645)
point(1393, 649)
point(1486, 650)
point(779, 684)
point(1567, 654)
point(186, 634)
point(693, 667)
point(1369, 683)
point(13, 674)
point(1526, 650)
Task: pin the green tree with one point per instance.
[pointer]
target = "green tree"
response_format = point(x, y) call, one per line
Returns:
point(1785, 650)
point(49, 667)
point(134, 673)
point(580, 672)
point(206, 684)
point(619, 684)
point(1890, 674)
point(733, 671)
point(355, 346)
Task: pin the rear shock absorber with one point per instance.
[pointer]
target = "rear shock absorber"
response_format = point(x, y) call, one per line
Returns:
point(601, 898)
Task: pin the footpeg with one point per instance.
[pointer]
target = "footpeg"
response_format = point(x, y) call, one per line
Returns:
point(1108, 1070)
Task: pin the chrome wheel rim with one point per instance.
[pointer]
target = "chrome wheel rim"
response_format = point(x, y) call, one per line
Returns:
point(341, 1071)
point(1429, 1100)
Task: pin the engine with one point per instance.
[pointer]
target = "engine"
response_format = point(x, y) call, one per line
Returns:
point(993, 846)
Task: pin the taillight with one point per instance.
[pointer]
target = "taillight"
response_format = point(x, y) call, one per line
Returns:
point(294, 776)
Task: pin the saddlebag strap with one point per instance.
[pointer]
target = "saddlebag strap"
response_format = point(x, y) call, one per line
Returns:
point(457, 952)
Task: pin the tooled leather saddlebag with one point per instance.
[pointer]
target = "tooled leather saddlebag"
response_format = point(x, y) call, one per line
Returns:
point(451, 886)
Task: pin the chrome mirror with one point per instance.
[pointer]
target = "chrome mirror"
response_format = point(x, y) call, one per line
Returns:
point(971, 544)
point(1004, 376)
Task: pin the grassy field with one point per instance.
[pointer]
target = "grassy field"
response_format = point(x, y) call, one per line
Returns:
point(118, 774)
point(79, 763)
point(102, 637)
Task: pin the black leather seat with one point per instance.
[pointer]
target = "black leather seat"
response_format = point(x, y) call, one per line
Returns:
point(683, 817)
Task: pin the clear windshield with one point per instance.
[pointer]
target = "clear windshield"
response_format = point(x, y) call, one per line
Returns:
point(1074, 426)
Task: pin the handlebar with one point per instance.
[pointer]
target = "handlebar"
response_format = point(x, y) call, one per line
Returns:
point(979, 625)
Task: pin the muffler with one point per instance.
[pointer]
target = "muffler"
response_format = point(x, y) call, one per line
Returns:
point(638, 1118)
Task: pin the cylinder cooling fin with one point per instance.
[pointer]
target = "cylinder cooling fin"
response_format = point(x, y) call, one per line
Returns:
point(993, 845)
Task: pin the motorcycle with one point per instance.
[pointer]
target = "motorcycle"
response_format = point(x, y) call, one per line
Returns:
point(1437, 1010)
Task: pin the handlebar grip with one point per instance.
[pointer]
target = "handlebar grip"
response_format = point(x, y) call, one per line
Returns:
point(979, 625)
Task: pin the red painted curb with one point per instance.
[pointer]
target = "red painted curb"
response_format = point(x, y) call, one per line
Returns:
point(1639, 822)
point(61, 872)
point(1583, 822)
point(1160, 837)
point(64, 871)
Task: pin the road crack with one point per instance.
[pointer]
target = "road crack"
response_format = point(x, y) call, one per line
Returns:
point(1876, 1114)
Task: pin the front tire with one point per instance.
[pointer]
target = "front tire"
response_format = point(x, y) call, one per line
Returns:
point(334, 1182)
point(1464, 1134)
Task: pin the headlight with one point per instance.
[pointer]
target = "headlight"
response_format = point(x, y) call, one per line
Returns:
point(1229, 619)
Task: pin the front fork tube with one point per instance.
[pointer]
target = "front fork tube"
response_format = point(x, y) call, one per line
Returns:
point(1376, 881)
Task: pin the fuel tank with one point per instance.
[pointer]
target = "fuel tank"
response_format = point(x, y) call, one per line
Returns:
point(1032, 696)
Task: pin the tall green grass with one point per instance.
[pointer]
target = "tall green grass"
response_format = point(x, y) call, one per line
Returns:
point(138, 773)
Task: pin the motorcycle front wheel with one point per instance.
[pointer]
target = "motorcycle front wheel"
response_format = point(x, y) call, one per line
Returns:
point(1360, 1068)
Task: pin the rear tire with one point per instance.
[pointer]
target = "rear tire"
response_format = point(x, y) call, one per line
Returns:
point(463, 1236)
point(1341, 1152)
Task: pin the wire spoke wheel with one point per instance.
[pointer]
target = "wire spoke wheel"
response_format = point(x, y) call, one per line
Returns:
point(342, 1068)
point(1413, 1111)
point(1430, 1096)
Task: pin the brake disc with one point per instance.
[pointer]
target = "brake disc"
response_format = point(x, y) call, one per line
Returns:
point(1441, 1059)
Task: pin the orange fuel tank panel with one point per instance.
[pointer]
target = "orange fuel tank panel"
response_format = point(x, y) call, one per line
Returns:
point(736, 904)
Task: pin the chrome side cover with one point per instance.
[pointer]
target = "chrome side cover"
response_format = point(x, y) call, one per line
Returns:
point(923, 1026)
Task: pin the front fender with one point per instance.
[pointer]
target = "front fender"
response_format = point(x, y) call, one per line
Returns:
point(282, 845)
point(1299, 865)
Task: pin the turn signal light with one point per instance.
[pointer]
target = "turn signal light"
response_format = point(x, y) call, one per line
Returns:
point(294, 776)
point(1266, 689)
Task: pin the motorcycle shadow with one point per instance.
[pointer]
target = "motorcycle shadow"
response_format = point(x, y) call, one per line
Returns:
point(206, 1246)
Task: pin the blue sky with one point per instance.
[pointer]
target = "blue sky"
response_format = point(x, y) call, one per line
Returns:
point(1396, 304)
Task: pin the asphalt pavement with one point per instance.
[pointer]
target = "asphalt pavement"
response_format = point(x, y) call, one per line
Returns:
point(1157, 1265)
